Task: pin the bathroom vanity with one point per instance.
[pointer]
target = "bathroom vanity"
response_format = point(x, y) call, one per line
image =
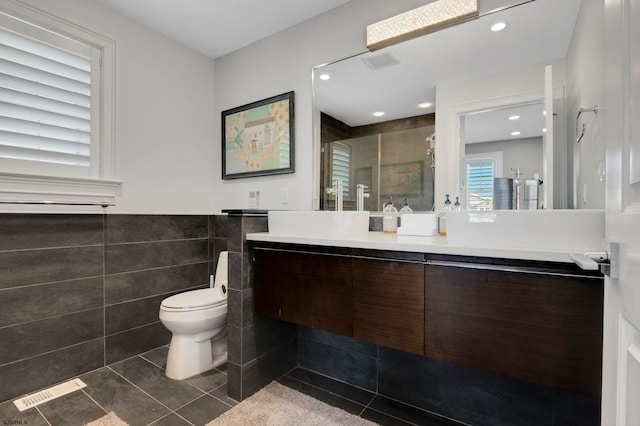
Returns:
point(529, 315)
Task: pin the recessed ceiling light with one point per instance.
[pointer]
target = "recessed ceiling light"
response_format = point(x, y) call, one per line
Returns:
point(515, 133)
point(544, 130)
point(325, 76)
point(425, 105)
point(498, 26)
point(378, 114)
point(544, 113)
point(514, 117)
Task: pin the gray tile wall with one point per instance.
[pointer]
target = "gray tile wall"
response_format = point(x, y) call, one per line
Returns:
point(260, 349)
point(460, 393)
point(82, 291)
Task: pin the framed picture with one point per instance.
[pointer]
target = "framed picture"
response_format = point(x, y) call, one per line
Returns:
point(258, 138)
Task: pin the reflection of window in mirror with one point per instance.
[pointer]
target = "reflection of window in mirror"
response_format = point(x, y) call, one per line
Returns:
point(341, 166)
point(481, 170)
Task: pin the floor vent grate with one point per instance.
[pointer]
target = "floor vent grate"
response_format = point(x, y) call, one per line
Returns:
point(53, 392)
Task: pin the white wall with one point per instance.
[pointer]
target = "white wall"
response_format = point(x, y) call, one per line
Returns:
point(282, 63)
point(164, 115)
point(585, 88)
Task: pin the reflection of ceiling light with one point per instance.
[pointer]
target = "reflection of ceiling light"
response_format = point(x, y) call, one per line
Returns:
point(544, 113)
point(498, 26)
point(514, 117)
point(417, 22)
point(378, 114)
point(425, 105)
point(515, 133)
point(325, 76)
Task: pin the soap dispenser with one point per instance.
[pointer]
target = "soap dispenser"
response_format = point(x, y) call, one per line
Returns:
point(389, 218)
point(442, 216)
point(405, 208)
point(457, 207)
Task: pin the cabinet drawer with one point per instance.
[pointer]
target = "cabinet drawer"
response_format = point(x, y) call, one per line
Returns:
point(388, 303)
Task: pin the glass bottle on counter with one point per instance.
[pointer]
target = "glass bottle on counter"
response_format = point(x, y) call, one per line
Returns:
point(405, 208)
point(442, 216)
point(389, 218)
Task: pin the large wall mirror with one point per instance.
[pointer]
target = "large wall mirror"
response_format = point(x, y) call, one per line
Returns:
point(431, 115)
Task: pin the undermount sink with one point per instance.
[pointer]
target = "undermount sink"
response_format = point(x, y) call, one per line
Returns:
point(570, 230)
point(323, 224)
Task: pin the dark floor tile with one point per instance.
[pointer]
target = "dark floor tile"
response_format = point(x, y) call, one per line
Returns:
point(208, 380)
point(72, 409)
point(344, 390)
point(222, 394)
point(203, 410)
point(322, 395)
point(570, 409)
point(384, 419)
point(115, 394)
point(171, 420)
point(151, 379)
point(157, 356)
point(409, 414)
point(10, 415)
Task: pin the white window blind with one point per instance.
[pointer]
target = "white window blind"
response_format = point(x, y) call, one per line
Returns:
point(45, 101)
point(341, 165)
point(57, 86)
point(481, 169)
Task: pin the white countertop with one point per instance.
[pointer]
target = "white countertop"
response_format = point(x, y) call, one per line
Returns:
point(435, 245)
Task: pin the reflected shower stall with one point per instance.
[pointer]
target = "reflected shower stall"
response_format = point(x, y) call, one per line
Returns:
point(393, 164)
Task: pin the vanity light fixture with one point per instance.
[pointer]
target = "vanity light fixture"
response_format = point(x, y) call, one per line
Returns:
point(498, 26)
point(324, 77)
point(514, 117)
point(378, 114)
point(417, 22)
point(425, 105)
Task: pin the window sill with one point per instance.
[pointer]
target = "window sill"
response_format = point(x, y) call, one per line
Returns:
point(31, 189)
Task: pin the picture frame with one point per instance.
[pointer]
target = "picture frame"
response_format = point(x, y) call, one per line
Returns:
point(258, 138)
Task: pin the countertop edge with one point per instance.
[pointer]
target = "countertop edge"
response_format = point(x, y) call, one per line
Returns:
point(434, 245)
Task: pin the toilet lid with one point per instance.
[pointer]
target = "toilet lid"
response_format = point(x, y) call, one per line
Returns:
point(193, 299)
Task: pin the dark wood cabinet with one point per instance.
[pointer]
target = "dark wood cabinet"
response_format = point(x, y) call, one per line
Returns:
point(543, 328)
point(311, 289)
point(388, 303)
point(540, 322)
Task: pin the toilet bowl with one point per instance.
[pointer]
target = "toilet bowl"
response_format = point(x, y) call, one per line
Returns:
point(197, 320)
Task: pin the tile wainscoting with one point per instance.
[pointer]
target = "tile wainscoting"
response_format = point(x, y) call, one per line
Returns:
point(79, 292)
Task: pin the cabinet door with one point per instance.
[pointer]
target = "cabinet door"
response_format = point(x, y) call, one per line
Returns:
point(540, 328)
point(311, 289)
point(388, 303)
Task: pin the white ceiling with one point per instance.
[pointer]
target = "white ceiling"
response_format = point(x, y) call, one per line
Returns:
point(217, 27)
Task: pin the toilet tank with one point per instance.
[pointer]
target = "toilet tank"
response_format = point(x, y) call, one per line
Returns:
point(221, 278)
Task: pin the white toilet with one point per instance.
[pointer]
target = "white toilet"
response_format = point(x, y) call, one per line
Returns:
point(198, 320)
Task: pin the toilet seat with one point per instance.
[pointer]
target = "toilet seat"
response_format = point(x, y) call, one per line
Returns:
point(193, 300)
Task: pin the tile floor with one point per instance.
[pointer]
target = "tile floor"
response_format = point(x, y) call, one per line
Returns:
point(137, 390)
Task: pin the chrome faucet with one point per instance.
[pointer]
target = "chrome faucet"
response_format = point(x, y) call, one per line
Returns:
point(337, 191)
point(360, 196)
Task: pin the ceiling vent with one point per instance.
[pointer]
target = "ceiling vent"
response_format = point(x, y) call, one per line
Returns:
point(380, 61)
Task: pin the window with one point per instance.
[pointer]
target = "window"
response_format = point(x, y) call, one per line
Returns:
point(55, 110)
point(341, 166)
point(481, 169)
